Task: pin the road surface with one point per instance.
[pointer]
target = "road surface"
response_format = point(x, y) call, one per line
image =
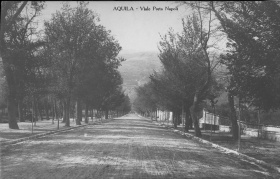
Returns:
point(127, 147)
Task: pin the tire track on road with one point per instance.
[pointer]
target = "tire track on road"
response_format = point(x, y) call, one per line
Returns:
point(123, 148)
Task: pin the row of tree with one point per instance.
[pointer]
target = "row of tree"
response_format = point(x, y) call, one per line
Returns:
point(71, 61)
point(190, 59)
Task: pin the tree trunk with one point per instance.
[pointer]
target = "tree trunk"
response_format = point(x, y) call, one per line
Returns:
point(106, 114)
point(78, 112)
point(195, 121)
point(67, 110)
point(20, 111)
point(72, 113)
point(12, 113)
point(193, 111)
point(187, 119)
point(183, 121)
point(53, 113)
point(24, 112)
point(156, 115)
point(86, 114)
point(59, 109)
point(47, 111)
point(33, 114)
point(190, 121)
point(175, 120)
point(64, 106)
point(35, 110)
point(233, 118)
point(11, 98)
point(39, 111)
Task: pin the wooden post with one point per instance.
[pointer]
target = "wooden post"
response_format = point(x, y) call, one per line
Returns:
point(86, 113)
point(156, 114)
point(38, 109)
point(53, 114)
point(259, 121)
point(183, 121)
point(205, 120)
point(32, 116)
point(239, 127)
point(211, 127)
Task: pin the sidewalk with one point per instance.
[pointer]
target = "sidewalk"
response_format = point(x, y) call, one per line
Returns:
point(260, 149)
point(45, 126)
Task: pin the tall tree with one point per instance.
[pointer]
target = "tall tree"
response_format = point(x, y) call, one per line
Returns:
point(187, 57)
point(67, 33)
point(253, 52)
point(252, 59)
point(78, 46)
point(15, 27)
point(202, 37)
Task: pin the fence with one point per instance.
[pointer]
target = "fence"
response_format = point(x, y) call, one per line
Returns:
point(251, 129)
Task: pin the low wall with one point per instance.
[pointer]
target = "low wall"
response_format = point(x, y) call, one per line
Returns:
point(270, 133)
point(271, 128)
point(225, 128)
point(251, 132)
point(266, 132)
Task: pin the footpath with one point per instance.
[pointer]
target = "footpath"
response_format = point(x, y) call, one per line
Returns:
point(258, 150)
point(42, 128)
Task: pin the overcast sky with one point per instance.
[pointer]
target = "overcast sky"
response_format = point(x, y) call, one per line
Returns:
point(136, 30)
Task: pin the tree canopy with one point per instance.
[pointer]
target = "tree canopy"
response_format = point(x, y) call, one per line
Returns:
point(75, 60)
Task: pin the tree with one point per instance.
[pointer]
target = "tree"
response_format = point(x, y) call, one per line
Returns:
point(112, 94)
point(125, 106)
point(253, 52)
point(202, 37)
point(167, 95)
point(78, 45)
point(15, 27)
point(252, 59)
point(187, 78)
point(186, 57)
point(73, 36)
point(145, 102)
point(65, 34)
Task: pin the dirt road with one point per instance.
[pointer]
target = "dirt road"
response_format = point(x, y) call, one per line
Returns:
point(128, 147)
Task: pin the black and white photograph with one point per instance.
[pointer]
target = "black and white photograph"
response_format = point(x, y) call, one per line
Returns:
point(139, 89)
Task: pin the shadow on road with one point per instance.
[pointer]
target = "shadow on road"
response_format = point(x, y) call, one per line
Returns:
point(126, 147)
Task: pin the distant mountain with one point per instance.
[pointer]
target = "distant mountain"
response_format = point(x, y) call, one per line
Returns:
point(140, 65)
point(137, 68)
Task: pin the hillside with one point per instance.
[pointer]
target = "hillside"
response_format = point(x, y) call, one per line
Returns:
point(137, 69)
